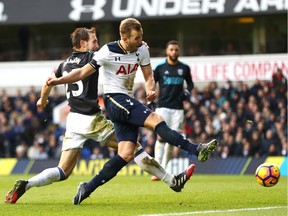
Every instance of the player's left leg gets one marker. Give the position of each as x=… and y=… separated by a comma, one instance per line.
x=71, y=149
x=168, y=152
x=174, y=118
x=67, y=163
x=158, y=154
x=160, y=151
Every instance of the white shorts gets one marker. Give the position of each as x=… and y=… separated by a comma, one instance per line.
x=81, y=127
x=173, y=117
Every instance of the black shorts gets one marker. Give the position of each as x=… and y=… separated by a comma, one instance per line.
x=127, y=114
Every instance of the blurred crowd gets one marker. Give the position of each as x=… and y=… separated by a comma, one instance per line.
x=225, y=48
x=248, y=121
x=214, y=111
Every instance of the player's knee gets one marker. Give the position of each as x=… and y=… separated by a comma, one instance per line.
x=127, y=157
x=160, y=138
x=156, y=117
x=153, y=120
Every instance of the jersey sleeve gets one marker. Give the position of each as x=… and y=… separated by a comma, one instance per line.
x=100, y=57
x=156, y=74
x=145, y=56
x=58, y=72
x=188, y=78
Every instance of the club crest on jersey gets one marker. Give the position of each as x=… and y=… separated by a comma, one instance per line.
x=130, y=102
x=180, y=71
x=137, y=54
x=127, y=70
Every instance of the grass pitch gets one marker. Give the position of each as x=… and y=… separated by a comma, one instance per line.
x=203, y=195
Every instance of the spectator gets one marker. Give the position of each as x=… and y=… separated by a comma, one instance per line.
x=279, y=81
x=255, y=141
x=54, y=146
x=37, y=151
x=96, y=153
x=21, y=151
x=229, y=49
x=270, y=143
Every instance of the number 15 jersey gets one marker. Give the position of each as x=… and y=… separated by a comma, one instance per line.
x=83, y=94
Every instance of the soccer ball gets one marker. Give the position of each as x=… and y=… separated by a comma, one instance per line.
x=267, y=174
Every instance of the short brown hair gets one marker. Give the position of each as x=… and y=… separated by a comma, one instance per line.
x=81, y=34
x=129, y=24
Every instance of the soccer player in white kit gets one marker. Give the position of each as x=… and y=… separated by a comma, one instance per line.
x=120, y=61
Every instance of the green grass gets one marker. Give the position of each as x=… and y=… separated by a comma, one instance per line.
x=203, y=195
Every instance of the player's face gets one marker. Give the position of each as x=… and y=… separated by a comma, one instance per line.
x=172, y=52
x=134, y=41
x=93, y=43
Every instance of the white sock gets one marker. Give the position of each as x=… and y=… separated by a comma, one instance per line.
x=46, y=177
x=159, y=151
x=167, y=155
x=151, y=166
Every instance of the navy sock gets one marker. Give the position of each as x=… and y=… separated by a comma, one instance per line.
x=62, y=174
x=109, y=170
x=176, y=139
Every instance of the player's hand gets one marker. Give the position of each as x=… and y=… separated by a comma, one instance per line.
x=41, y=104
x=151, y=95
x=51, y=81
x=185, y=95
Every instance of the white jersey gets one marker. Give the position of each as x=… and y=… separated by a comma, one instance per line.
x=120, y=66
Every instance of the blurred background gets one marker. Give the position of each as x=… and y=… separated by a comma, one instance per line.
x=236, y=49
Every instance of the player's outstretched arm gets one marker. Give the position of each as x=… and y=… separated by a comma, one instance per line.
x=43, y=100
x=74, y=76
x=149, y=82
x=45, y=92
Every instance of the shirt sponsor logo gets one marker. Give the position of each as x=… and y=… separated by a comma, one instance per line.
x=127, y=70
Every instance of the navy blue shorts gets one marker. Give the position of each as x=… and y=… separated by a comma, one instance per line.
x=127, y=114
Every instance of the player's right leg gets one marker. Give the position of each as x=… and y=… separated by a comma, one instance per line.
x=174, y=118
x=67, y=163
x=157, y=123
